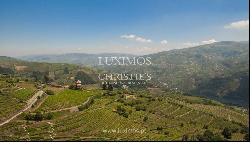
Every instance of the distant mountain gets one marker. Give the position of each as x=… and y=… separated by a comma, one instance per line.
x=219, y=70
x=72, y=58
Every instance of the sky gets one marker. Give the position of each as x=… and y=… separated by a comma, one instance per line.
x=35, y=27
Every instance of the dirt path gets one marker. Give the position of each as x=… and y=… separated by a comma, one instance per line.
x=30, y=102
x=39, y=103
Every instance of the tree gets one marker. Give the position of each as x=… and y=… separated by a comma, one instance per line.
x=72, y=87
x=46, y=79
x=38, y=116
x=37, y=75
x=246, y=137
x=29, y=116
x=145, y=118
x=209, y=136
x=84, y=78
x=6, y=70
x=227, y=133
x=122, y=111
x=110, y=87
x=104, y=86
x=49, y=116
x=66, y=70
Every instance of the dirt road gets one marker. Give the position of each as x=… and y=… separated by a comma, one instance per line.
x=30, y=102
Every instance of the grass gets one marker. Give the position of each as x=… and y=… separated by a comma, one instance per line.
x=23, y=94
x=54, y=89
x=27, y=85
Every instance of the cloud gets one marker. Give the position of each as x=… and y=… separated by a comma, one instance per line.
x=208, y=41
x=136, y=38
x=191, y=44
x=238, y=25
x=148, y=50
x=164, y=42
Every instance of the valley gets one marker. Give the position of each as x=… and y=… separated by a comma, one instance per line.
x=167, y=116
x=62, y=101
x=124, y=70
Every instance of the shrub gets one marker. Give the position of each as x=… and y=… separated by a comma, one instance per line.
x=122, y=111
x=166, y=133
x=110, y=87
x=209, y=136
x=104, y=86
x=205, y=127
x=246, y=137
x=38, y=116
x=182, y=124
x=120, y=100
x=49, y=116
x=145, y=118
x=28, y=117
x=140, y=107
x=244, y=130
x=86, y=105
x=49, y=92
x=72, y=87
x=159, y=128
x=125, y=115
x=227, y=133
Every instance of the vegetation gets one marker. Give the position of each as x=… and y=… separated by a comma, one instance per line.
x=122, y=111
x=209, y=136
x=13, y=96
x=163, y=119
x=227, y=133
x=218, y=71
x=49, y=92
x=87, y=104
x=38, y=116
x=66, y=98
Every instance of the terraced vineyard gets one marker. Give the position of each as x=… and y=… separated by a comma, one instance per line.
x=166, y=117
x=13, y=98
x=66, y=98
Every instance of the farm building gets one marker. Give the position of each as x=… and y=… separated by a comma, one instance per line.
x=78, y=84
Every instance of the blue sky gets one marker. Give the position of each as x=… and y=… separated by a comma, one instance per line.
x=131, y=26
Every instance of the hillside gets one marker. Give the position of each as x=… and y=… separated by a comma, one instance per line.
x=71, y=58
x=113, y=116
x=60, y=73
x=91, y=113
x=19, y=80
x=218, y=71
